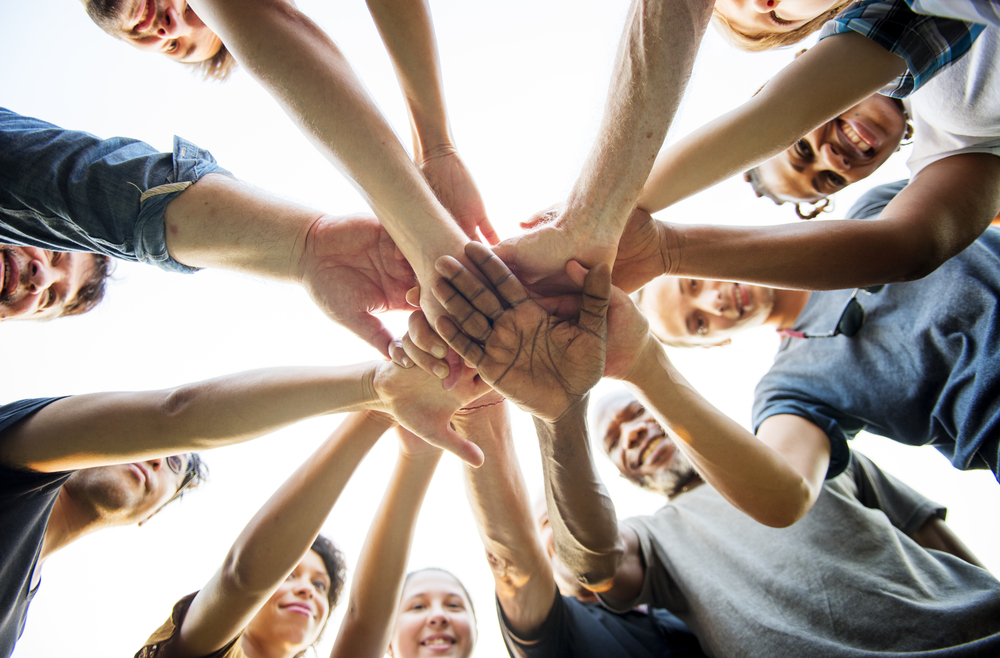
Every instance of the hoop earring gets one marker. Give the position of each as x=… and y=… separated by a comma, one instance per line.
x=821, y=206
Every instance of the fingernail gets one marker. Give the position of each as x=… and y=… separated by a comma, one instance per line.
x=406, y=362
x=439, y=351
x=440, y=372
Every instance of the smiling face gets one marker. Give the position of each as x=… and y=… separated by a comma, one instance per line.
x=124, y=494
x=169, y=27
x=842, y=151
x=36, y=284
x=702, y=312
x=756, y=17
x=434, y=618
x=638, y=446
x=294, y=616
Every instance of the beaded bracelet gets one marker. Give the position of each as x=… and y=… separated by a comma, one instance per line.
x=483, y=406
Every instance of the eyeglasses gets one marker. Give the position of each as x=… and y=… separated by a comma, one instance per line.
x=850, y=322
x=184, y=466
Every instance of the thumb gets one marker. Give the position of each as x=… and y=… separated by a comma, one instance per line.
x=371, y=330
x=490, y=233
x=449, y=440
x=596, y=297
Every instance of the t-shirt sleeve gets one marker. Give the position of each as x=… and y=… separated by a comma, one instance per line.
x=906, y=507
x=658, y=588
x=546, y=641
x=15, y=412
x=162, y=636
x=68, y=190
x=927, y=44
x=873, y=202
x=773, y=399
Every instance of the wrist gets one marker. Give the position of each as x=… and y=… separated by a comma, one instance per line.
x=647, y=362
x=573, y=414
x=669, y=239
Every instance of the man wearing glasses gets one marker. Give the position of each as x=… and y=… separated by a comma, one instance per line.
x=913, y=361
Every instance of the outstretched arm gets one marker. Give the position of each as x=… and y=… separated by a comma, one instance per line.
x=408, y=34
x=834, y=75
x=501, y=506
x=275, y=540
x=943, y=210
x=378, y=581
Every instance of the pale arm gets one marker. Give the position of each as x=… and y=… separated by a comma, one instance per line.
x=502, y=508
x=834, y=75
x=310, y=78
x=774, y=477
x=378, y=582
x=408, y=33
x=275, y=540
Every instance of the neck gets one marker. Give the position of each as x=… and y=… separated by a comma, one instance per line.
x=68, y=522
x=787, y=306
x=255, y=647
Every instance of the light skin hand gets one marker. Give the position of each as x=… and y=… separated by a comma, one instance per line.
x=351, y=269
x=454, y=187
x=543, y=364
x=642, y=254
x=418, y=403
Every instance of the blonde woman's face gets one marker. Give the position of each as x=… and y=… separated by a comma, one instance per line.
x=754, y=18
x=434, y=619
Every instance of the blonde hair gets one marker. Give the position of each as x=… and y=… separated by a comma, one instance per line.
x=770, y=40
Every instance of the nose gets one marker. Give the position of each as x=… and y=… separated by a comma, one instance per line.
x=764, y=6
x=171, y=25
x=834, y=160
x=154, y=464
x=41, y=276
x=634, y=433
x=439, y=619
x=710, y=300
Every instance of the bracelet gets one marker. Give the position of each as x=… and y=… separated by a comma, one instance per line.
x=483, y=406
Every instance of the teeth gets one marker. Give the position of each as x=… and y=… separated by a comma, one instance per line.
x=439, y=640
x=855, y=137
x=648, y=450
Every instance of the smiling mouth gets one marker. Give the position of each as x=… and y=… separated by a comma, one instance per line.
x=648, y=450
x=438, y=642
x=146, y=19
x=300, y=609
x=860, y=144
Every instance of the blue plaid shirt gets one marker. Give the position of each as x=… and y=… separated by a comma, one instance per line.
x=927, y=43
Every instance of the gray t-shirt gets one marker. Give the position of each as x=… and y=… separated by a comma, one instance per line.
x=845, y=581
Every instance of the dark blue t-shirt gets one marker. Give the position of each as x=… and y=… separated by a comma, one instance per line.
x=588, y=630
x=26, y=500
x=923, y=370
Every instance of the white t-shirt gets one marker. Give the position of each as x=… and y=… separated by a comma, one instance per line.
x=974, y=11
x=958, y=111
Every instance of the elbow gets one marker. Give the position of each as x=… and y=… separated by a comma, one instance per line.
x=788, y=508
x=596, y=571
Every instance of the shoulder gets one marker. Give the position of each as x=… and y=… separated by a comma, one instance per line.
x=158, y=644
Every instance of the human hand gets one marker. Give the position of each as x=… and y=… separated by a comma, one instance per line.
x=642, y=253
x=421, y=405
x=351, y=269
x=542, y=363
x=454, y=188
x=538, y=257
x=413, y=447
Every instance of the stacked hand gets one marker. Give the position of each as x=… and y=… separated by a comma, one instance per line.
x=542, y=363
x=454, y=188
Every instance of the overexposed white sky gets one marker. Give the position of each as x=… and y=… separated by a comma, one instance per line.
x=525, y=83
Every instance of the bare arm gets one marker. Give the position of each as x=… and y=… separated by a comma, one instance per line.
x=308, y=75
x=378, y=582
x=501, y=505
x=836, y=74
x=275, y=540
x=408, y=34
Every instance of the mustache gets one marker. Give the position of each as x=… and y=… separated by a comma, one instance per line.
x=107, y=14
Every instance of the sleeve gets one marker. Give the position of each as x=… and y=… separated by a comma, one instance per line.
x=927, y=44
x=71, y=191
x=773, y=398
x=547, y=640
x=13, y=413
x=906, y=508
x=166, y=633
x=658, y=588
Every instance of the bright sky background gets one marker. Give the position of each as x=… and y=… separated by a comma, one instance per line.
x=525, y=84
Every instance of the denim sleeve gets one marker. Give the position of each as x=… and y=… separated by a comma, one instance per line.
x=67, y=190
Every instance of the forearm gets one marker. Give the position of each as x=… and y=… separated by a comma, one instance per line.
x=770, y=122
x=652, y=67
x=378, y=582
x=582, y=515
x=407, y=31
x=308, y=75
x=502, y=507
x=220, y=222
x=278, y=536
x=105, y=428
x=937, y=535
x=750, y=474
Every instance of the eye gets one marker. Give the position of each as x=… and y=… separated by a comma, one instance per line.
x=779, y=21
x=50, y=298
x=701, y=328
x=693, y=285
x=417, y=606
x=320, y=586
x=171, y=47
x=803, y=149
x=836, y=179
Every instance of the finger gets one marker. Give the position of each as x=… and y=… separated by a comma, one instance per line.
x=496, y=272
x=467, y=348
x=423, y=360
x=463, y=286
x=473, y=323
x=398, y=354
x=596, y=297
x=455, y=368
x=424, y=337
x=371, y=330
x=489, y=233
x=576, y=272
x=465, y=450
x=413, y=296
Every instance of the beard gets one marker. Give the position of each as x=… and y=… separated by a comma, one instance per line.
x=108, y=14
x=104, y=489
x=675, y=479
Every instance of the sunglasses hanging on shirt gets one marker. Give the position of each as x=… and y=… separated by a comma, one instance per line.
x=850, y=322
